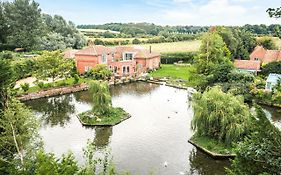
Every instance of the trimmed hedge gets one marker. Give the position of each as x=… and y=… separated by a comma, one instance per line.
x=171, y=58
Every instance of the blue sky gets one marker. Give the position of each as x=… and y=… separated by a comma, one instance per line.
x=163, y=12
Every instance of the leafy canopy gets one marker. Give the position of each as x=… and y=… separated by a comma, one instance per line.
x=260, y=152
x=220, y=115
x=53, y=65
x=101, y=97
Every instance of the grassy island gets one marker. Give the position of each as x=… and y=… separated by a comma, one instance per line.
x=220, y=120
x=114, y=117
x=102, y=113
x=213, y=147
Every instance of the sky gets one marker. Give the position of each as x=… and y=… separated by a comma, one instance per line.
x=163, y=12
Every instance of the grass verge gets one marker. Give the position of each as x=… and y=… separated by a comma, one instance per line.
x=212, y=145
x=114, y=117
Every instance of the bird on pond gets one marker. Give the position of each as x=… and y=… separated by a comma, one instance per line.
x=165, y=164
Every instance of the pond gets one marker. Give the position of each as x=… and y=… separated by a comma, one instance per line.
x=157, y=132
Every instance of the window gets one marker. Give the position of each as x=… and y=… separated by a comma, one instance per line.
x=115, y=69
x=256, y=59
x=87, y=68
x=127, y=56
x=126, y=69
x=103, y=58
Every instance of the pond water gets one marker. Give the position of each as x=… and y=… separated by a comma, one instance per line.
x=157, y=132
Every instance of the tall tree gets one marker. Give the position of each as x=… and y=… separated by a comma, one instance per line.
x=220, y=115
x=53, y=65
x=7, y=80
x=18, y=134
x=23, y=18
x=101, y=97
x=260, y=152
x=213, y=51
x=3, y=25
x=274, y=12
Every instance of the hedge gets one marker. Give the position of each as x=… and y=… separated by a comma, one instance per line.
x=170, y=58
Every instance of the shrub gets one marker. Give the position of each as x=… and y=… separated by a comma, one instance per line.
x=76, y=78
x=136, y=41
x=170, y=58
x=40, y=84
x=99, y=72
x=25, y=87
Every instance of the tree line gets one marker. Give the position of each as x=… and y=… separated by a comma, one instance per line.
x=23, y=25
x=150, y=29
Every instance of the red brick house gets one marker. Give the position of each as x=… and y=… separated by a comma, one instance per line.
x=122, y=60
x=258, y=57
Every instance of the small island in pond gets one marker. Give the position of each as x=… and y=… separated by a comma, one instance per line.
x=102, y=113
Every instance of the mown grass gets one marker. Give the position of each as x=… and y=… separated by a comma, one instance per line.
x=212, y=145
x=115, y=116
x=172, y=71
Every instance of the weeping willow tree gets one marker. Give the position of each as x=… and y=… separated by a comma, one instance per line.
x=220, y=115
x=101, y=97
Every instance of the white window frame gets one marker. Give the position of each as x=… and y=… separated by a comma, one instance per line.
x=125, y=58
x=103, y=59
x=87, y=68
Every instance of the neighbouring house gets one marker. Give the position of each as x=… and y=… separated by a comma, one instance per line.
x=69, y=53
x=248, y=65
x=271, y=81
x=122, y=60
x=259, y=56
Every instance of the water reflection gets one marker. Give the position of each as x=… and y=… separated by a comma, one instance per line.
x=202, y=164
x=133, y=89
x=102, y=137
x=84, y=97
x=274, y=114
x=54, y=111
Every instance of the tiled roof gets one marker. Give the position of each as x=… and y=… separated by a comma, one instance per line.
x=70, y=53
x=264, y=55
x=272, y=55
x=94, y=50
x=140, y=53
x=247, y=64
x=118, y=50
x=259, y=52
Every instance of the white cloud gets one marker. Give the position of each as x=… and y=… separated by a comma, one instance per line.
x=217, y=12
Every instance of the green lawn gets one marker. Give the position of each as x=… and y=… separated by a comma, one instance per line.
x=114, y=117
x=212, y=145
x=172, y=71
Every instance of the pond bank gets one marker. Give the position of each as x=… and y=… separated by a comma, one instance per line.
x=77, y=88
x=214, y=155
x=53, y=92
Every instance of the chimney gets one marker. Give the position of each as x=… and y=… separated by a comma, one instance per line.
x=150, y=50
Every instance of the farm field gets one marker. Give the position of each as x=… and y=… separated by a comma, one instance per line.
x=96, y=31
x=277, y=42
x=183, y=46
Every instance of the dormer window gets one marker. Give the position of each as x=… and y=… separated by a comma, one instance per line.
x=128, y=56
